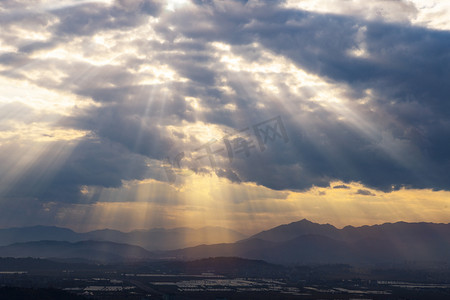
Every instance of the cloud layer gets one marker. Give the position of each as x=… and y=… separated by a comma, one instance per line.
x=100, y=93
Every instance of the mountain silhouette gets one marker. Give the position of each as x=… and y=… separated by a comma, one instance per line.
x=95, y=251
x=301, y=242
x=305, y=242
x=153, y=239
x=290, y=231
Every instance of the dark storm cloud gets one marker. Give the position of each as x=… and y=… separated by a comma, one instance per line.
x=65, y=22
x=119, y=125
x=92, y=162
x=228, y=174
x=90, y=18
x=341, y=186
x=14, y=59
x=364, y=193
x=405, y=68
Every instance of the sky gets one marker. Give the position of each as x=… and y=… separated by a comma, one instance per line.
x=135, y=114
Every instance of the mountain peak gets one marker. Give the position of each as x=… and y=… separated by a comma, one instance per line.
x=295, y=229
x=305, y=221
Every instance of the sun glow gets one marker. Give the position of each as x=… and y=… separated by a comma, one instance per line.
x=208, y=200
x=173, y=5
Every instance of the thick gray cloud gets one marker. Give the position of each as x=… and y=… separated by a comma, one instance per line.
x=364, y=192
x=406, y=70
x=399, y=140
x=92, y=162
x=341, y=186
x=90, y=18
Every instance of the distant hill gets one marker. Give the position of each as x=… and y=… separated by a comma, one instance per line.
x=96, y=251
x=290, y=231
x=36, y=233
x=240, y=249
x=153, y=239
x=305, y=249
x=301, y=242
x=305, y=242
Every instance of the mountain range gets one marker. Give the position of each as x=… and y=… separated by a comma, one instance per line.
x=305, y=242
x=301, y=242
x=86, y=251
x=153, y=239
